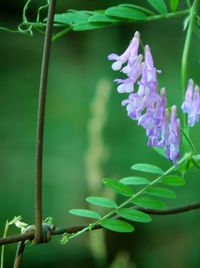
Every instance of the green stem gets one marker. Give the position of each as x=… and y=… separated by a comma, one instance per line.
x=130, y=200
x=193, y=11
x=3, y=247
x=169, y=15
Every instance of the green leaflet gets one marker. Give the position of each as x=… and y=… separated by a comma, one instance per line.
x=133, y=215
x=102, y=17
x=147, y=168
x=101, y=201
x=159, y=5
x=72, y=17
x=118, y=187
x=149, y=202
x=173, y=5
x=161, y=192
x=117, y=225
x=80, y=20
x=126, y=12
x=85, y=213
x=173, y=180
x=134, y=181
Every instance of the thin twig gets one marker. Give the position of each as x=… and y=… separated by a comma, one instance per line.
x=40, y=122
x=19, y=254
x=74, y=229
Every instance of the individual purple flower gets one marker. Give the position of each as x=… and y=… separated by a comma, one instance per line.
x=186, y=106
x=173, y=140
x=129, y=55
x=149, y=77
x=133, y=68
x=158, y=116
x=191, y=105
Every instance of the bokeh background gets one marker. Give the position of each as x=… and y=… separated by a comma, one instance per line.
x=88, y=136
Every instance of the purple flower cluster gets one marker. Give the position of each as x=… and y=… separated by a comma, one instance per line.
x=145, y=104
x=191, y=105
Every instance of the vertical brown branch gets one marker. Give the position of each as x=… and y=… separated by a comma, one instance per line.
x=40, y=122
x=19, y=254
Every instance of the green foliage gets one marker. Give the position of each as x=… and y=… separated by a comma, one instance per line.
x=85, y=213
x=161, y=192
x=173, y=180
x=147, y=168
x=118, y=187
x=134, y=181
x=101, y=201
x=149, y=202
x=173, y=5
x=117, y=226
x=133, y=215
x=127, y=12
x=159, y=5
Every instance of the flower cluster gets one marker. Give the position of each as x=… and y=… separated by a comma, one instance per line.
x=146, y=104
x=191, y=105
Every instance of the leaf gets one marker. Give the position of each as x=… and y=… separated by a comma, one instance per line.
x=117, y=226
x=89, y=26
x=145, y=10
x=173, y=180
x=119, y=187
x=133, y=215
x=126, y=12
x=161, y=192
x=102, y=17
x=159, y=5
x=134, y=181
x=85, y=213
x=149, y=202
x=102, y=202
x=147, y=168
x=72, y=17
x=173, y=5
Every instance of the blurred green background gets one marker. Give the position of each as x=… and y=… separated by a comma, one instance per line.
x=78, y=65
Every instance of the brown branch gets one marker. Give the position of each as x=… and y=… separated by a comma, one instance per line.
x=40, y=122
x=74, y=229
x=19, y=254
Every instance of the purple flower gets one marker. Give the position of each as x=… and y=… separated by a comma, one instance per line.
x=146, y=105
x=186, y=106
x=191, y=105
x=129, y=55
x=173, y=141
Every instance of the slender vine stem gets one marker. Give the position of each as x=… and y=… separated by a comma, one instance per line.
x=40, y=121
x=184, y=65
x=74, y=229
x=3, y=247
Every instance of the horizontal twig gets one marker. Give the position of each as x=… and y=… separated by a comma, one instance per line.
x=74, y=229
